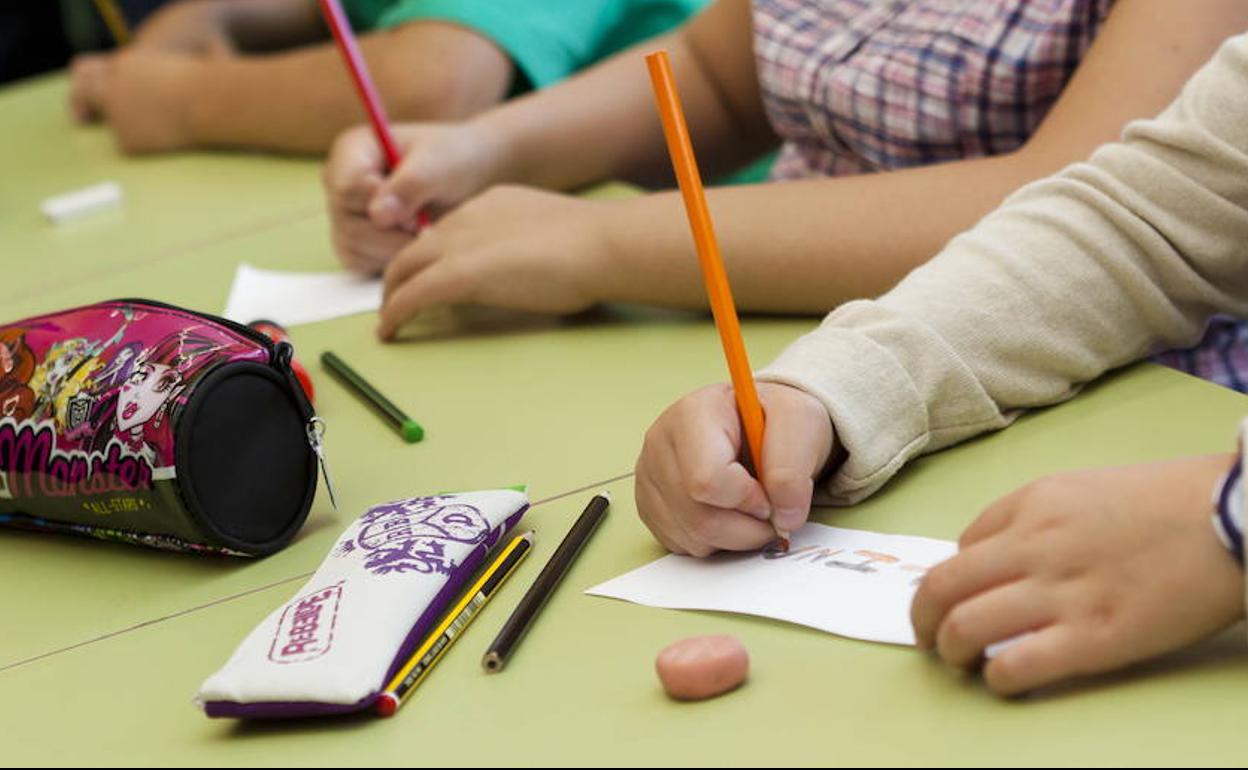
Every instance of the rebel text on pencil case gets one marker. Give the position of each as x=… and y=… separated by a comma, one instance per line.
x=379, y=592
x=145, y=423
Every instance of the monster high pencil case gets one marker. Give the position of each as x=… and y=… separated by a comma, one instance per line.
x=333, y=647
x=141, y=422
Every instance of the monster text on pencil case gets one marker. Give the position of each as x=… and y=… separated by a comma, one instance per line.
x=31, y=465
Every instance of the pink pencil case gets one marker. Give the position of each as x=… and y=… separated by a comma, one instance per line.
x=141, y=422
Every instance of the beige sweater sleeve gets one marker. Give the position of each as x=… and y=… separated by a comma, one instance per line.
x=1098, y=266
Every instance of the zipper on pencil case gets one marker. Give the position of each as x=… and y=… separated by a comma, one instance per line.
x=242, y=329
x=232, y=325
x=280, y=354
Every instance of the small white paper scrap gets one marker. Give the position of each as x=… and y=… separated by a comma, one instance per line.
x=291, y=299
x=844, y=581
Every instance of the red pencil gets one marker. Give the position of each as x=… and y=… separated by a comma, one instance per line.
x=345, y=38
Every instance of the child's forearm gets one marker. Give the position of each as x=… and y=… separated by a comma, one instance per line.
x=602, y=124
x=211, y=26
x=293, y=103
x=301, y=100
x=802, y=247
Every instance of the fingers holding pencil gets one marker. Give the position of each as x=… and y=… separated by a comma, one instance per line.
x=692, y=489
x=444, y=164
x=796, y=448
x=354, y=171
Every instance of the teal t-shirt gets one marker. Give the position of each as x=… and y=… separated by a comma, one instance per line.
x=547, y=39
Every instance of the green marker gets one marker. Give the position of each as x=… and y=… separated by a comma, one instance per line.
x=408, y=428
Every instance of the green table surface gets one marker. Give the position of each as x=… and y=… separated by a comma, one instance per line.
x=172, y=205
x=102, y=645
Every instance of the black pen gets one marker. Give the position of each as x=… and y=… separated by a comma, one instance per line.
x=529, y=607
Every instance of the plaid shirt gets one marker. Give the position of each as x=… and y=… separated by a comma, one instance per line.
x=853, y=86
x=1221, y=356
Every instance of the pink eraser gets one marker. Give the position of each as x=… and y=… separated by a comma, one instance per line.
x=702, y=666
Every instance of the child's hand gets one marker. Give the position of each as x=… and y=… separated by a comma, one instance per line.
x=142, y=95
x=351, y=176
x=512, y=248
x=87, y=74
x=696, y=496
x=373, y=215
x=1104, y=568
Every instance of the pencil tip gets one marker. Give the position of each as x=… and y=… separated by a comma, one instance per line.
x=781, y=544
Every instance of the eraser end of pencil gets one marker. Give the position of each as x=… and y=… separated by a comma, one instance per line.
x=387, y=704
x=77, y=203
x=412, y=432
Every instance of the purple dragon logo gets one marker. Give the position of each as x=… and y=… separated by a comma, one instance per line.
x=411, y=535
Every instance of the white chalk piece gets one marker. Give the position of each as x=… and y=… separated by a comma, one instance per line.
x=88, y=200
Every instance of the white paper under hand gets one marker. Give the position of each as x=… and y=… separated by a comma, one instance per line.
x=845, y=581
x=291, y=299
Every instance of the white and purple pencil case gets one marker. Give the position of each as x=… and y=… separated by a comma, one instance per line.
x=335, y=645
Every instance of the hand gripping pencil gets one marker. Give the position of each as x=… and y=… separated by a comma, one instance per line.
x=713, y=273
x=350, y=50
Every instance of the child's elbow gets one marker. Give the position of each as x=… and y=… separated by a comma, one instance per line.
x=461, y=82
x=1039, y=158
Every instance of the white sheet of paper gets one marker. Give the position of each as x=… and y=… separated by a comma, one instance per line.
x=291, y=299
x=845, y=581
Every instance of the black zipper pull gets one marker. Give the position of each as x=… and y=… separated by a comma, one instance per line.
x=283, y=354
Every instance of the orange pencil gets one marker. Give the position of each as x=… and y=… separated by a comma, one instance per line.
x=713, y=274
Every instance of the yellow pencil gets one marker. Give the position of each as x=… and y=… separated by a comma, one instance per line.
x=463, y=613
x=115, y=20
